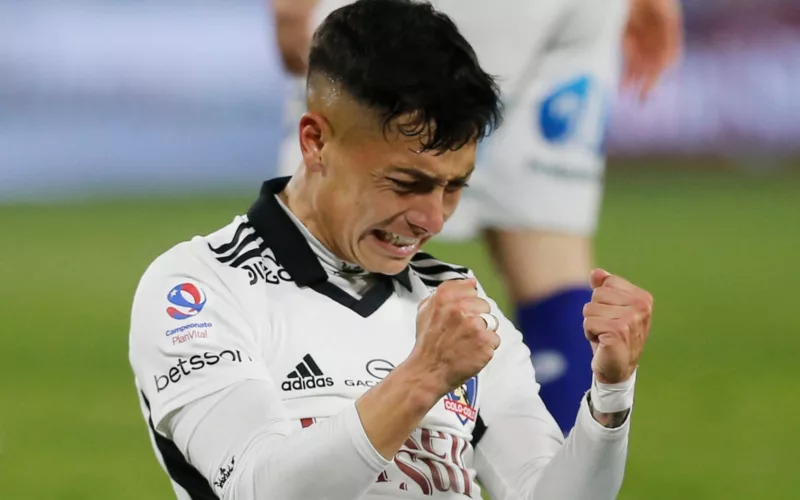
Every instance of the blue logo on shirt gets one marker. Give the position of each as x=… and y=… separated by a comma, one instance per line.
x=568, y=114
x=561, y=111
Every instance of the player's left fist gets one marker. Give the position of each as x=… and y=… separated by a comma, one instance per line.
x=617, y=323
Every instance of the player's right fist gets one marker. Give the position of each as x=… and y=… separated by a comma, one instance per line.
x=455, y=334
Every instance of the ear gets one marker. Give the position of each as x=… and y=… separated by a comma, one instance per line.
x=314, y=131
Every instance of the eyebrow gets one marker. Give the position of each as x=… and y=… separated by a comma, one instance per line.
x=423, y=176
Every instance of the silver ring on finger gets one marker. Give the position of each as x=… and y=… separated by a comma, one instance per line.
x=491, y=321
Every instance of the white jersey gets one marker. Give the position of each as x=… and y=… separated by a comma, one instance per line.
x=557, y=64
x=251, y=345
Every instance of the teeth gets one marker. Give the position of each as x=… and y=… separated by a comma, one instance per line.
x=401, y=241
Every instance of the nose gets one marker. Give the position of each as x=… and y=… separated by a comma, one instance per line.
x=427, y=213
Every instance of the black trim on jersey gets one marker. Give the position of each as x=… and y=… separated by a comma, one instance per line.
x=431, y=283
x=366, y=305
x=439, y=269
x=436, y=267
x=478, y=431
x=181, y=471
x=250, y=254
x=422, y=256
x=235, y=253
x=250, y=238
x=292, y=251
x=228, y=246
x=437, y=272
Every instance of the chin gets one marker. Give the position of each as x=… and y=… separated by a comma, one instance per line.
x=383, y=265
x=391, y=267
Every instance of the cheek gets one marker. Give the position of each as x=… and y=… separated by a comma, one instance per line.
x=379, y=206
x=350, y=210
x=450, y=203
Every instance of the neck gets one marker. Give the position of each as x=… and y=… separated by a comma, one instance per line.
x=299, y=198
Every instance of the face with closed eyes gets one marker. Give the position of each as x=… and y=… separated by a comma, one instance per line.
x=375, y=199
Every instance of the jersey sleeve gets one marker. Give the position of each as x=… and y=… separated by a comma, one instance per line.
x=189, y=337
x=522, y=453
x=242, y=443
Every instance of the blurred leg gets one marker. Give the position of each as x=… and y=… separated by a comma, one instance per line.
x=546, y=263
x=538, y=189
x=546, y=277
x=537, y=263
x=289, y=155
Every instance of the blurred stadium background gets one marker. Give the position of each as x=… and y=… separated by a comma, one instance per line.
x=128, y=126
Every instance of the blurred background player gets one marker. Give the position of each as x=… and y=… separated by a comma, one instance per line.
x=536, y=193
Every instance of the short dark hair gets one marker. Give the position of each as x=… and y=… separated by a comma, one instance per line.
x=402, y=56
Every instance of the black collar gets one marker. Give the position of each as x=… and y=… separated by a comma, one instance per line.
x=292, y=251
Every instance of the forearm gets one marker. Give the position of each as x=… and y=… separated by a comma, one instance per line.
x=590, y=464
x=331, y=459
x=293, y=10
x=243, y=442
x=596, y=449
x=391, y=410
x=610, y=404
x=610, y=420
x=270, y=458
x=524, y=454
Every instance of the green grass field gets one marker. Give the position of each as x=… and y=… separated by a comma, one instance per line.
x=718, y=396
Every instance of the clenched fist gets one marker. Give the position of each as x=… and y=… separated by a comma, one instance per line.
x=617, y=323
x=455, y=334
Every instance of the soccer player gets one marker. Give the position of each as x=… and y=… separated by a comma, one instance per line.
x=310, y=350
x=537, y=188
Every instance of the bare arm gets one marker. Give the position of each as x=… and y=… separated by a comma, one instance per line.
x=293, y=31
x=652, y=42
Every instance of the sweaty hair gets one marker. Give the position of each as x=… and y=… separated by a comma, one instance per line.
x=403, y=58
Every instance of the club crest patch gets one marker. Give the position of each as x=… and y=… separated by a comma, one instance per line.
x=462, y=401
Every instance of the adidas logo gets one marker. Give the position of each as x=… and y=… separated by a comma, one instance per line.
x=306, y=375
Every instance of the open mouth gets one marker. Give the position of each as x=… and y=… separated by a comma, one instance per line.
x=396, y=244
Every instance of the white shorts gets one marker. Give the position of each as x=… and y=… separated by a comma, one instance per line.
x=558, y=64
